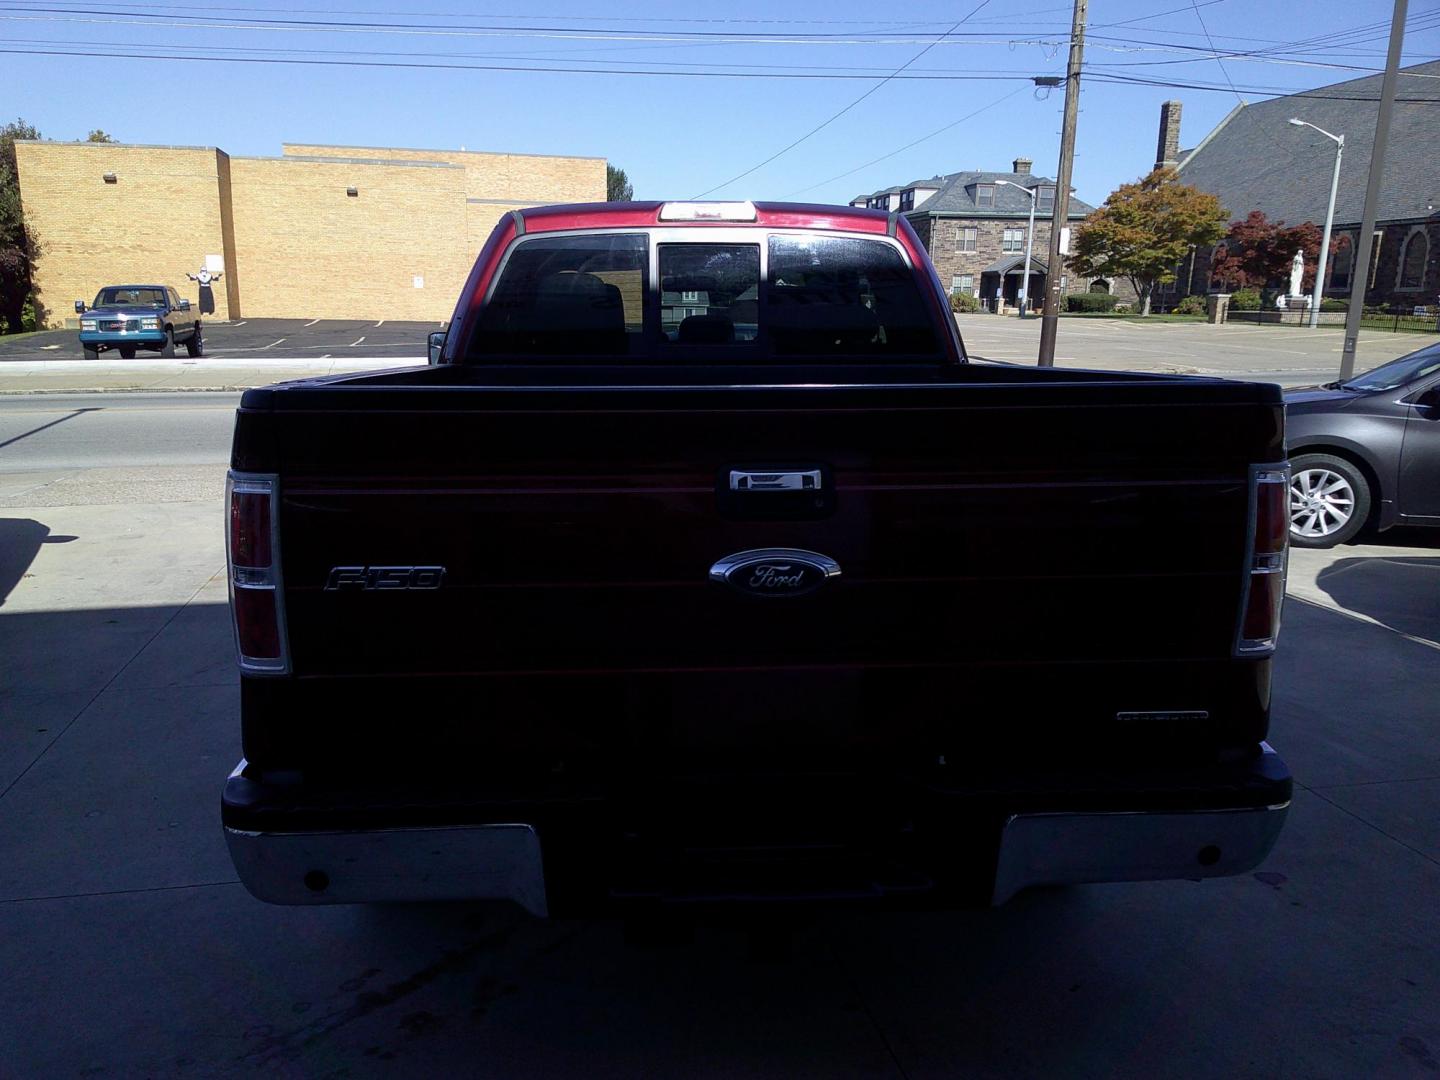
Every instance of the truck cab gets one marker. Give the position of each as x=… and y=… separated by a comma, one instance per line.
x=127, y=318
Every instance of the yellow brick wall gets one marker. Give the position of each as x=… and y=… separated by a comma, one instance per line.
x=308, y=250
x=293, y=243
x=154, y=225
x=481, y=219
x=529, y=179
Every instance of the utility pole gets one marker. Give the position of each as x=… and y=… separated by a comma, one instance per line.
x=1372, y=194
x=1058, y=221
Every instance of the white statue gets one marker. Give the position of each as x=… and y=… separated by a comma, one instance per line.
x=1297, y=273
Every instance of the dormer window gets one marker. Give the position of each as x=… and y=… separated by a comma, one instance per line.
x=907, y=200
x=985, y=196
x=1045, y=199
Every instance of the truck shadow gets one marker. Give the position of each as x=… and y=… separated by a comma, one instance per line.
x=1401, y=591
x=20, y=540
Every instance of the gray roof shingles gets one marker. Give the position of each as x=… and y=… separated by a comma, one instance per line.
x=1258, y=161
x=956, y=196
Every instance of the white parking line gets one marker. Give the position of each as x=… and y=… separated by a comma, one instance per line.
x=312, y=322
x=272, y=344
x=380, y=323
x=235, y=324
x=325, y=356
x=357, y=342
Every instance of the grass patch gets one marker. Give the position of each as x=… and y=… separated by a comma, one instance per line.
x=7, y=338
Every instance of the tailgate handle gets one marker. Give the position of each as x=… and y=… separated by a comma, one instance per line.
x=755, y=480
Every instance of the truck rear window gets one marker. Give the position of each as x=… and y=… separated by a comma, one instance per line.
x=820, y=297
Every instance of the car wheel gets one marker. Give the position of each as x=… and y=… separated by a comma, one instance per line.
x=167, y=350
x=127, y=352
x=196, y=345
x=92, y=352
x=1329, y=500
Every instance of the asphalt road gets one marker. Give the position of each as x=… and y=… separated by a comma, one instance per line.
x=255, y=339
x=129, y=949
x=90, y=431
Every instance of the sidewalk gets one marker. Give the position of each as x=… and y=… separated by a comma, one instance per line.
x=1283, y=354
x=91, y=376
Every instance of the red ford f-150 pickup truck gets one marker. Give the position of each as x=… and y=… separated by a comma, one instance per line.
x=703, y=565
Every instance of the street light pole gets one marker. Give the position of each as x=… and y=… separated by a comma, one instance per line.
x=1319, y=291
x=1029, y=244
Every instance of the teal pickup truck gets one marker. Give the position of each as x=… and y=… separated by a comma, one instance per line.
x=130, y=317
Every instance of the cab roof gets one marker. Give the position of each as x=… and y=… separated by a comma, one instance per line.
x=610, y=215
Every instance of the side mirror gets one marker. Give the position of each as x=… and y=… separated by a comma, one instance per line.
x=184, y=304
x=80, y=307
x=437, y=345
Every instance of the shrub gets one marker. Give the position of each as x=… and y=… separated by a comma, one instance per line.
x=1245, y=300
x=1334, y=305
x=1190, y=305
x=1090, y=302
x=963, y=301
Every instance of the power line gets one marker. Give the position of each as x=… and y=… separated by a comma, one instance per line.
x=836, y=116
x=257, y=23
x=1270, y=91
x=849, y=72
x=536, y=15
x=110, y=54
x=907, y=146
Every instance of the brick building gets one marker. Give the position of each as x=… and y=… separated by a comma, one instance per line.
x=321, y=232
x=974, y=226
x=1255, y=160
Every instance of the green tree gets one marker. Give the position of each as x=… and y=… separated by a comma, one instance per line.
x=1144, y=230
x=99, y=136
x=17, y=247
x=617, y=185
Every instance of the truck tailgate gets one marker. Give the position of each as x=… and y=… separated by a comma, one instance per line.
x=1007, y=541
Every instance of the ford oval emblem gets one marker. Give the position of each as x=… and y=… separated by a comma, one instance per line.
x=775, y=572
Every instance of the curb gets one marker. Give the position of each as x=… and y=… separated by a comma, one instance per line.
x=133, y=390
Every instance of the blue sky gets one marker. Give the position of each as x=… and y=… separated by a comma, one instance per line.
x=679, y=136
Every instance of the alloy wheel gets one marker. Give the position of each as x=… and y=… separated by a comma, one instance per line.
x=1321, y=502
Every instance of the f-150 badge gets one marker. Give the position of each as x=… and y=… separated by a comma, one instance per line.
x=775, y=572
x=380, y=578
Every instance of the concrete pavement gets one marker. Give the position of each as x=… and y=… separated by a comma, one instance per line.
x=97, y=376
x=130, y=949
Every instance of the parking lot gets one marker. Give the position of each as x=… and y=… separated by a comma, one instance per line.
x=257, y=339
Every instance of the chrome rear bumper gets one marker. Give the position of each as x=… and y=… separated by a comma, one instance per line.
x=494, y=862
x=503, y=860
x=1072, y=849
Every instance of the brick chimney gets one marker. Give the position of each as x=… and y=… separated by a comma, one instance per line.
x=1167, y=148
x=1022, y=166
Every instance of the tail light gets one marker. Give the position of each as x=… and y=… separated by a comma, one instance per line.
x=1264, y=560
x=252, y=552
